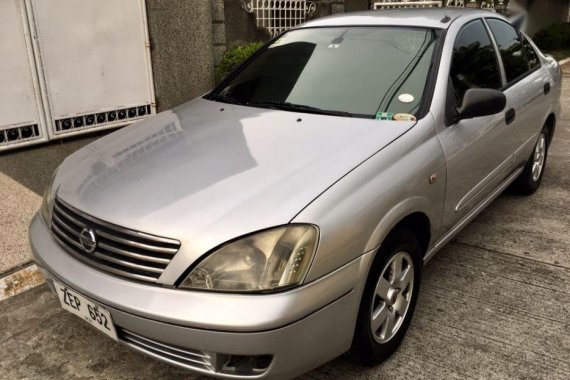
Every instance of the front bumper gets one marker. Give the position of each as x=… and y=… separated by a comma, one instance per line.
x=297, y=330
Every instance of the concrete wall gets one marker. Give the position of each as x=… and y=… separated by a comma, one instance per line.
x=182, y=49
x=327, y=8
x=356, y=5
x=219, y=30
x=337, y=6
x=241, y=26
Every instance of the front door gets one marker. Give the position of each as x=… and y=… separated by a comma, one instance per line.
x=478, y=151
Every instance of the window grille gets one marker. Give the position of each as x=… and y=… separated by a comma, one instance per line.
x=278, y=16
x=488, y=4
x=409, y=4
x=485, y=4
x=455, y=3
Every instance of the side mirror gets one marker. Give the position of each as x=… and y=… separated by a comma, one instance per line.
x=479, y=102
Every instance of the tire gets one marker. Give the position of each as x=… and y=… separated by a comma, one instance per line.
x=531, y=177
x=374, y=347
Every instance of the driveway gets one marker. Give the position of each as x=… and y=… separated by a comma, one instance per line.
x=495, y=303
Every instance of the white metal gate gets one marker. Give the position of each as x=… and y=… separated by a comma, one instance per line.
x=21, y=114
x=89, y=67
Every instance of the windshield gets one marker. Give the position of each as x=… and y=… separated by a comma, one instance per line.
x=349, y=71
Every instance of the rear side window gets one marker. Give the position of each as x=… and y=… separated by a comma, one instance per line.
x=511, y=48
x=474, y=62
x=533, y=61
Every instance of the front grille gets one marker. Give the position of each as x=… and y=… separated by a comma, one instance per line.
x=118, y=250
x=191, y=359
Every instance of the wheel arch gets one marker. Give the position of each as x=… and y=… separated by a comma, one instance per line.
x=419, y=224
x=550, y=123
x=416, y=219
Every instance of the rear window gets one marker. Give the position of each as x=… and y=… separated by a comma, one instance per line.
x=511, y=48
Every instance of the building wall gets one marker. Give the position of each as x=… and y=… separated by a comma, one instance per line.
x=182, y=41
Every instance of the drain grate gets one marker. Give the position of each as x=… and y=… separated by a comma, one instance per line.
x=101, y=118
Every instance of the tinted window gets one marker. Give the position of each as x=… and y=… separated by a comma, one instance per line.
x=361, y=70
x=531, y=55
x=512, y=52
x=474, y=62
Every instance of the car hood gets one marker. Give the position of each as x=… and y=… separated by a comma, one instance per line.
x=207, y=172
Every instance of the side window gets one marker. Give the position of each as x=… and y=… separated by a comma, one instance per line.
x=474, y=62
x=510, y=45
x=533, y=61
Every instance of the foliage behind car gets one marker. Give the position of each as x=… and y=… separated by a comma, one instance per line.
x=554, y=37
x=234, y=57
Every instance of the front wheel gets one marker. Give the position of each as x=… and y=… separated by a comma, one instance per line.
x=389, y=297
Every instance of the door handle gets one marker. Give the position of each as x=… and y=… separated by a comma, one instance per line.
x=546, y=88
x=510, y=116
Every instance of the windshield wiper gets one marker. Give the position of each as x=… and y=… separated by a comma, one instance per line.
x=286, y=106
x=222, y=98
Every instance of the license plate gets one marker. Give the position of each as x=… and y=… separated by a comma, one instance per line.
x=86, y=309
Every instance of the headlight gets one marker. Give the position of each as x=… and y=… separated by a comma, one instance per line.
x=268, y=260
x=48, y=200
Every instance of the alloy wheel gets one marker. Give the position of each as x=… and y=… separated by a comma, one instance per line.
x=392, y=297
x=538, y=158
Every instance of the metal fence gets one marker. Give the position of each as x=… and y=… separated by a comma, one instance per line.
x=279, y=15
x=388, y=4
x=408, y=4
x=455, y=3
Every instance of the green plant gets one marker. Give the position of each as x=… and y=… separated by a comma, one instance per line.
x=553, y=37
x=234, y=57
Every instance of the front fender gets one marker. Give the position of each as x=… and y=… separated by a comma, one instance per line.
x=358, y=211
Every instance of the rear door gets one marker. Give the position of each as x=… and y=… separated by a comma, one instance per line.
x=477, y=151
x=525, y=89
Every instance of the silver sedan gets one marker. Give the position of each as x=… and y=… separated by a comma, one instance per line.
x=285, y=217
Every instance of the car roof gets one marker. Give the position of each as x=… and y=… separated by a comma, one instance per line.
x=440, y=18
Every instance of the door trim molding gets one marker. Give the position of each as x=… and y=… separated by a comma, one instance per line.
x=475, y=191
x=471, y=215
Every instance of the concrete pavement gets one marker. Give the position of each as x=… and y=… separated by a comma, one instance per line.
x=495, y=304
x=24, y=173
x=18, y=206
